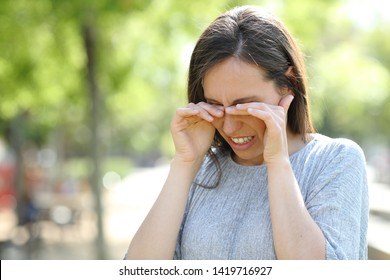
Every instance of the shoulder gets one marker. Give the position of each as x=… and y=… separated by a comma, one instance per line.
x=337, y=147
x=332, y=156
x=325, y=154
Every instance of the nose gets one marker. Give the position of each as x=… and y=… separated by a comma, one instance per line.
x=231, y=124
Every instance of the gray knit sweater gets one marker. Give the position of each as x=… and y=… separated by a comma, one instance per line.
x=232, y=220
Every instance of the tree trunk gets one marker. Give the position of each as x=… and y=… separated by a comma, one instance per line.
x=94, y=97
x=17, y=140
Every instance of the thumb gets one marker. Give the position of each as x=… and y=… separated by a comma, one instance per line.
x=285, y=102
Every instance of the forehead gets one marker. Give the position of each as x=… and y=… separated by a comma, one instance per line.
x=234, y=79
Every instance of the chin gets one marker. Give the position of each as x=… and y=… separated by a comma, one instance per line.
x=248, y=159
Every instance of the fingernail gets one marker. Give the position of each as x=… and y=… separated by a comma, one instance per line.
x=220, y=109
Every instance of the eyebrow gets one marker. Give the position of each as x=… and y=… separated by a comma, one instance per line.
x=235, y=102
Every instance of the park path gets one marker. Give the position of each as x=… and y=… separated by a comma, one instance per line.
x=129, y=202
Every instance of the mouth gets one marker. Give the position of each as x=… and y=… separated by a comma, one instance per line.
x=241, y=140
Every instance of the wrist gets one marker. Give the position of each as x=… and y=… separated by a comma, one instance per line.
x=186, y=160
x=183, y=171
x=279, y=163
x=179, y=163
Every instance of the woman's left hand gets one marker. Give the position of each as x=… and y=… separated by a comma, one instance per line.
x=275, y=119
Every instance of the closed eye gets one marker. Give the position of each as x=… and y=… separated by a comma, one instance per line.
x=243, y=100
x=213, y=102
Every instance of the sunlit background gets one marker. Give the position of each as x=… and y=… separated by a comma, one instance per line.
x=88, y=89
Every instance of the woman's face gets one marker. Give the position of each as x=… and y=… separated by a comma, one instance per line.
x=233, y=82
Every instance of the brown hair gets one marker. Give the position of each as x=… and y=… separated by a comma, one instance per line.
x=257, y=37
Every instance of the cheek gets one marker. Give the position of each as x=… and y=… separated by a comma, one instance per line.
x=218, y=124
x=258, y=126
x=254, y=124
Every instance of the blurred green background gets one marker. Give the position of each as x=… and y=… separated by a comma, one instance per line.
x=88, y=89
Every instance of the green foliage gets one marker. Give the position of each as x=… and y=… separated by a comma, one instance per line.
x=143, y=50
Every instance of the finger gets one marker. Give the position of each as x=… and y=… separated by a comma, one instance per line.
x=186, y=112
x=266, y=116
x=242, y=109
x=272, y=121
x=215, y=110
x=233, y=110
x=202, y=112
x=270, y=114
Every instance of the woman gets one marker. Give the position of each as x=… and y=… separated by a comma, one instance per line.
x=250, y=179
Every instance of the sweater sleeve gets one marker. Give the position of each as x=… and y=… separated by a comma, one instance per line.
x=338, y=201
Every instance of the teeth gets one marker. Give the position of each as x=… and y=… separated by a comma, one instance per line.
x=242, y=140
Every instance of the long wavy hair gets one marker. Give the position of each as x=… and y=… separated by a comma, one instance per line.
x=255, y=36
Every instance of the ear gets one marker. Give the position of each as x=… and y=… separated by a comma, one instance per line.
x=289, y=72
x=287, y=91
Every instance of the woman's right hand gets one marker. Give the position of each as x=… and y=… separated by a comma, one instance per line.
x=192, y=130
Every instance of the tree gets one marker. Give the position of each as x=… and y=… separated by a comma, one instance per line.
x=136, y=74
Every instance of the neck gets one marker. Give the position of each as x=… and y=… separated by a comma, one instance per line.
x=296, y=141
